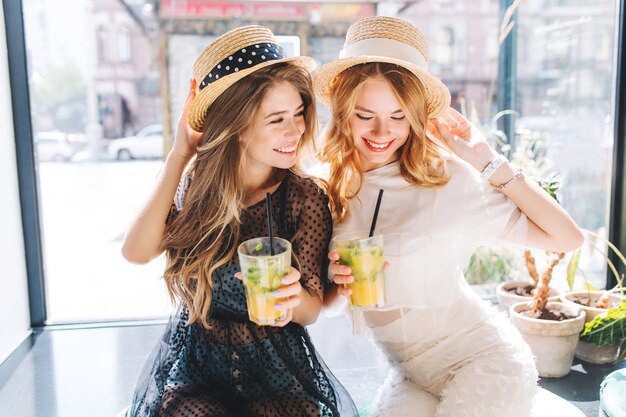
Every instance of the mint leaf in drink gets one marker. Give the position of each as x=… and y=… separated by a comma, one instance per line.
x=258, y=247
x=253, y=276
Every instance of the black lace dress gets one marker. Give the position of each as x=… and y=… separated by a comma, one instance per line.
x=237, y=368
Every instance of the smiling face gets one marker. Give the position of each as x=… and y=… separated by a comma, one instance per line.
x=378, y=124
x=272, y=139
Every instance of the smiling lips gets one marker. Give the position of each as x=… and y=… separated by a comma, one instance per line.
x=376, y=146
x=289, y=150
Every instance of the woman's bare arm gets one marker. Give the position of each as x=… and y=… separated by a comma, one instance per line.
x=550, y=227
x=143, y=241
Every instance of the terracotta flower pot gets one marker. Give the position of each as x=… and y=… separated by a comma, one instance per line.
x=590, y=312
x=506, y=299
x=599, y=355
x=552, y=342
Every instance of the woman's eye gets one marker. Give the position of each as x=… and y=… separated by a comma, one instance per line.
x=276, y=121
x=363, y=117
x=301, y=114
x=398, y=118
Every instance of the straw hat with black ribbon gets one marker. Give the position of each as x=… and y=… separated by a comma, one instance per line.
x=385, y=39
x=231, y=57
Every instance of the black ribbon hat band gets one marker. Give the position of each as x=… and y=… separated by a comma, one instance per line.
x=243, y=59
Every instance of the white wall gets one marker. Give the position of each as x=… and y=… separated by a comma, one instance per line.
x=14, y=314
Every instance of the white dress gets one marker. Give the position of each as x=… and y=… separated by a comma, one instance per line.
x=452, y=354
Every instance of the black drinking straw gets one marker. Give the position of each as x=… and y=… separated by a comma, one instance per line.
x=380, y=197
x=268, y=206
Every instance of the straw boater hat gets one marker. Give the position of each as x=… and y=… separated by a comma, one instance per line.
x=385, y=39
x=231, y=57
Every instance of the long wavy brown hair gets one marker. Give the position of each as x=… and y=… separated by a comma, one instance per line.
x=203, y=236
x=420, y=162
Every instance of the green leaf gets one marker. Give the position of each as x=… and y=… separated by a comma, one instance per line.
x=572, y=268
x=258, y=247
x=607, y=330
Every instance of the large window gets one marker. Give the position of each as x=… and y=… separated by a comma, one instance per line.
x=565, y=87
x=86, y=96
x=106, y=91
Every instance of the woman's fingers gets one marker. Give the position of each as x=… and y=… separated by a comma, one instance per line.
x=191, y=94
x=239, y=276
x=186, y=139
x=456, y=123
x=346, y=292
x=340, y=274
x=343, y=279
x=283, y=323
x=288, y=290
x=337, y=269
x=453, y=118
x=443, y=130
x=288, y=303
x=291, y=277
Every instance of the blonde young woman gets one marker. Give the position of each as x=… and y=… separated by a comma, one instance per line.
x=249, y=112
x=451, y=354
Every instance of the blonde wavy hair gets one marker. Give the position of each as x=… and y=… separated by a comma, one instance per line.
x=420, y=162
x=203, y=236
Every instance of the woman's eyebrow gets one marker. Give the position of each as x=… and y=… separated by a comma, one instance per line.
x=276, y=113
x=373, y=112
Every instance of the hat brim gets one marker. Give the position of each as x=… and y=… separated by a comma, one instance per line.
x=437, y=94
x=196, y=115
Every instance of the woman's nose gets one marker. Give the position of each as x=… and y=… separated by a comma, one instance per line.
x=381, y=128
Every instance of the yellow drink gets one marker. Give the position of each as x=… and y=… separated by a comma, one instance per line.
x=366, y=293
x=260, y=304
x=365, y=258
x=262, y=274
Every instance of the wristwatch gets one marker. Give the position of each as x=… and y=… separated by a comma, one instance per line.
x=492, y=167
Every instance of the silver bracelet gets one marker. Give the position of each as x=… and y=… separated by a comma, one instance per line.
x=492, y=167
x=518, y=174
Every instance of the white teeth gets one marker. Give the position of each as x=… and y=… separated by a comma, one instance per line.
x=377, y=145
x=286, y=150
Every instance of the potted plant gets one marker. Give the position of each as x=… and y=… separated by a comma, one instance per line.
x=603, y=340
x=596, y=304
x=592, y=300
x=550, y=328
x=511, y=292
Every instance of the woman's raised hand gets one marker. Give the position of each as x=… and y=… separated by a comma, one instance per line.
x=463, y=138
x=186, y=140
x=289, y=293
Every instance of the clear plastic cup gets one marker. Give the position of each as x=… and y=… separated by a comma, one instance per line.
x=262, y=274
x=365, y=256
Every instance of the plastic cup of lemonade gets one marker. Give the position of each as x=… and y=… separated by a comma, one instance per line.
x=262, y=274
x=364, y=255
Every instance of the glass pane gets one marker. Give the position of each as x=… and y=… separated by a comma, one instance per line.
x=565, y=84
x=561, y=87
x=94, y=86
x=107, y=89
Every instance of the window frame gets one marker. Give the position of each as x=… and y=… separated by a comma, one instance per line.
x=26, y=166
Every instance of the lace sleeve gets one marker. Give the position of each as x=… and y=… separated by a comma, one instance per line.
x=179, y=198
x=314, y=229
